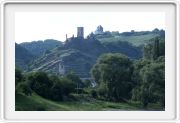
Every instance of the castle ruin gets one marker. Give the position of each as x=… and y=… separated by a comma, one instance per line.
x=80, y=32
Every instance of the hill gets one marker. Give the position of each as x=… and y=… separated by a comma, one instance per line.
x=22, y=57
x=133, y=37
x=37, y=48
x=79, y=55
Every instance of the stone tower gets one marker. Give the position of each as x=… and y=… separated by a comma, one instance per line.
x=80, y=32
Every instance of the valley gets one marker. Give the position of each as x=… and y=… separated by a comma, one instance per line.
x=105, y=71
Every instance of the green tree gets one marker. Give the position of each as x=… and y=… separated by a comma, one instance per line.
x=75, y=78
x=136, y=77
x=96, y=72
x=24, y=88
x=103, y=90
x=40, y=83
x=87, y=83
x=18, y=76
x=57, y=88
x=151, y=83
x=114, y=71
x=162, y=48
x=68, y=86
x=148, y=52
x=154, y=49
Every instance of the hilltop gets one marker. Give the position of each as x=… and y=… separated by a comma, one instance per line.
x=37, y=48
x=136, y=38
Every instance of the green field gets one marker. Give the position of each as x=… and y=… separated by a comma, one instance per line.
x=37, y=103
x=135, y=40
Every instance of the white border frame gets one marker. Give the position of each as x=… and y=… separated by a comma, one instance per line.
x=2, y=112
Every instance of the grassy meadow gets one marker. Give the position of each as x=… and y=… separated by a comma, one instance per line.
x=82, y=103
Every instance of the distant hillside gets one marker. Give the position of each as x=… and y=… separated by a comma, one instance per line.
x=37, y=48
x=22, y=57
x=133, y=37
x=79, y=55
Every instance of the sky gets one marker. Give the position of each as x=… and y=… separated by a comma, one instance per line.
x=33, y=26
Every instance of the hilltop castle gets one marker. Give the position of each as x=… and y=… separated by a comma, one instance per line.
x=80, y=34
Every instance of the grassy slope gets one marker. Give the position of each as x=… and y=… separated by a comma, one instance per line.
x=135, y=40
x=37, y=103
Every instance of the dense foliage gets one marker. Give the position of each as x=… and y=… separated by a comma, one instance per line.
x=48, y=86
x=23, y=57
x=120, y=78
x=112, y=72
x=38, y=48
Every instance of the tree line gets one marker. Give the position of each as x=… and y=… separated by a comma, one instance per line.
x=53, y=87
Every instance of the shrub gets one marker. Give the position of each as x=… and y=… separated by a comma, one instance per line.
x=93, y=93
x=24, y=88
x=40, y=83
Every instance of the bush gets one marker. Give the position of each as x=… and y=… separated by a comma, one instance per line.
x=56, y=91
x=75, y=79
x=87, y=83
x=68, y=86
x=18, y=76
x=103, y=90
x=93, y=93
x=40, y=83
x=24, y=88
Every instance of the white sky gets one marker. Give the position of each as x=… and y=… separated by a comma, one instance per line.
x=31, y=26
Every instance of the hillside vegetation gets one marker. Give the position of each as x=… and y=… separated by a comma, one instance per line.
x=135, y=40
x=37, y=103
x=79, y=55
x=91, y=74
x=22, y=57
x=133, y=37
x=38, y=48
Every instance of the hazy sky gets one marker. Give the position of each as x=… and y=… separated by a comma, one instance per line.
x=31, y=26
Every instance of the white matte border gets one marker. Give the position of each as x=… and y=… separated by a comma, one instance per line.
x=130, y=115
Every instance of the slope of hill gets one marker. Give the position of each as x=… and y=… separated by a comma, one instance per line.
x=135, y=38
x=37, y=48
x=22, y=57
x=79, y=55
